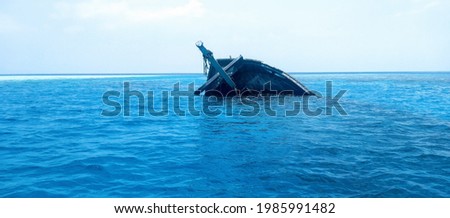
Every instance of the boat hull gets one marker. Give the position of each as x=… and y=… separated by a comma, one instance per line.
x=252, y=77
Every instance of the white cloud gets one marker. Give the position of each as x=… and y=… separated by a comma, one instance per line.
x=420, y=7
x=131, y=11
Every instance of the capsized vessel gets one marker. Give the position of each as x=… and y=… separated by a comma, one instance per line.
x=239, y=76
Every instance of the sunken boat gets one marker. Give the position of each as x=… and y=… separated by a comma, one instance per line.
x=239, y=76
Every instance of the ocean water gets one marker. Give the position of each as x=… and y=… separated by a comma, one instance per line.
x=393, y=142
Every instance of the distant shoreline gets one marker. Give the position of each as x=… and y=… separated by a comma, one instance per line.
x=169, y=74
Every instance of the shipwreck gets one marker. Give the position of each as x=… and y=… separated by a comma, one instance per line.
x=239, y=76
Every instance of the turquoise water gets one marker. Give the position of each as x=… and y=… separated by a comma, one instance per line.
x=394, y=142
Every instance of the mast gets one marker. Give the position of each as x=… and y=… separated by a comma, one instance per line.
x=213, y=62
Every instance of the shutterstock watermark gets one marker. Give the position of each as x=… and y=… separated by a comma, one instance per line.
x=129, y=102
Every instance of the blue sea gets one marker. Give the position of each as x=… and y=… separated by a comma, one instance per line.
x=393, y=140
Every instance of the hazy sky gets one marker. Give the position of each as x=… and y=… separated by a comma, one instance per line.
x=156, y=36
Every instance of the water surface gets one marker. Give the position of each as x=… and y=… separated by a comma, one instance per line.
x=394, y=142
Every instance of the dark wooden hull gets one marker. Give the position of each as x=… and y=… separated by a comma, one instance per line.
x=252, y=77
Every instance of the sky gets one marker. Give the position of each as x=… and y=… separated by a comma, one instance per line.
x=159, y=36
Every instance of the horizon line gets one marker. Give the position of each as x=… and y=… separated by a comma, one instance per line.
x=200, y=73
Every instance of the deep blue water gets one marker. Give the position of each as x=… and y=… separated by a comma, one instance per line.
x=394, y=142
